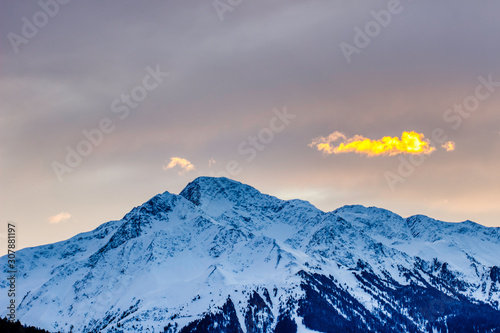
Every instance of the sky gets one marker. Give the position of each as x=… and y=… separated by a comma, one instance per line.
x=104, y=104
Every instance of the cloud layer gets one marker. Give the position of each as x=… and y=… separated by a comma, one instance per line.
x=225, y=80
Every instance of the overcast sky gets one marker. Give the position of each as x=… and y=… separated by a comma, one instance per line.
x=250, y=85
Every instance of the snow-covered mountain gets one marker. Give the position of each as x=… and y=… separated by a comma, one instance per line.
x=223, y=257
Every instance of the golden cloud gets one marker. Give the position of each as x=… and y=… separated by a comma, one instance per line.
x=409, y=143
x=184, y=164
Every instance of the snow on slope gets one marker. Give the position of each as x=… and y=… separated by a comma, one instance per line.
x=220, y=246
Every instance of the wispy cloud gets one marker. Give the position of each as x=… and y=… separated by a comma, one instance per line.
x=409, y=143
x=184, y=164
x=61, y=217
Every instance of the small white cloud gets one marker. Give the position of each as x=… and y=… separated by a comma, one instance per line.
x=184, y=164
x=61, y=217
x=211, y=162
x=449, y=146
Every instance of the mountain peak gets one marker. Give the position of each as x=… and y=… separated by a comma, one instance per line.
x=206, y=189
x=159, y=204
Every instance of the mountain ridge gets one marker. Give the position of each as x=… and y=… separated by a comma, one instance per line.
x=222, y=256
